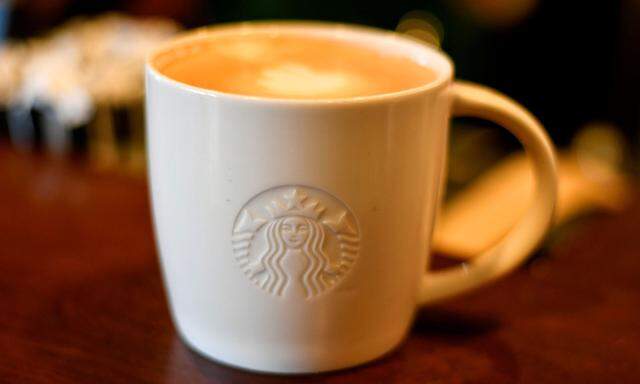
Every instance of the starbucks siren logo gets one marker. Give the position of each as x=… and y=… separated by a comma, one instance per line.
x=295, y=240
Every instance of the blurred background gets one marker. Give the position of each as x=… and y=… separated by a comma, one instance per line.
x=71, y=81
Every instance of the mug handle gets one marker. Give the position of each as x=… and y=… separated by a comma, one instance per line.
x=478, y=101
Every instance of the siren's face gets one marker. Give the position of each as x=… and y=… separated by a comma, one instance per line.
x=294, y=231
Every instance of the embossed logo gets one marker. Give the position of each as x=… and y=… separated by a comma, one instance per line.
x=295, y=240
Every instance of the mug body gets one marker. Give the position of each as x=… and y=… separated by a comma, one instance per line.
x=293, y=233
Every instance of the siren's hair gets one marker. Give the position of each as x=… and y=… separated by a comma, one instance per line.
x=276, y=278
x=313, y=279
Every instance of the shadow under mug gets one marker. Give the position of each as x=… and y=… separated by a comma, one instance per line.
x=294, y=234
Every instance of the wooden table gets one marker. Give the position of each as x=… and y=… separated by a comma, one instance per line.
x=81, y=300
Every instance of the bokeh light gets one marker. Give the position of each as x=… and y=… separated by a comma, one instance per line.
x=423, y=26
x=600, y=149
x=498, y=13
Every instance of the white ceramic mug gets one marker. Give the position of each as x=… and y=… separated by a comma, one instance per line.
x=294, y=234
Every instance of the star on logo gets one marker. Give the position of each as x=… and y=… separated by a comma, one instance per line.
x=294, y=200
x=295, y=204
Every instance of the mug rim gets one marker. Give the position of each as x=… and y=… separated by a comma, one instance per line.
x=444, y=74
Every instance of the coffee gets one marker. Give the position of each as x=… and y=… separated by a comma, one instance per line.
x=290, y=66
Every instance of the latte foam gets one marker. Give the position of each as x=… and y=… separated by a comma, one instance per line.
x=287, y=65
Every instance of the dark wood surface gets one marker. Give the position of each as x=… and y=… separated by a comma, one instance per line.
x=81, y=300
